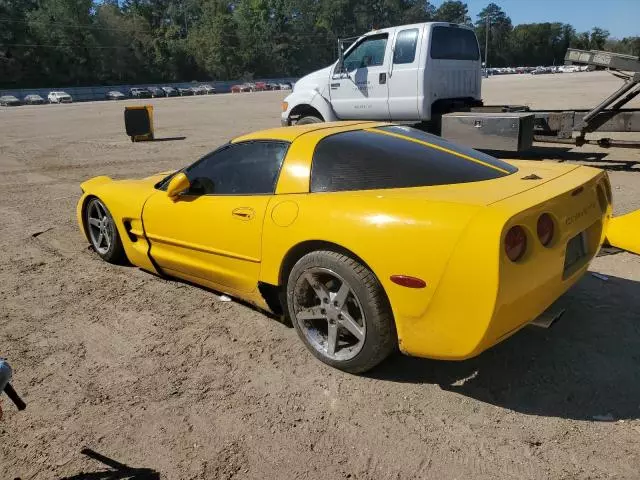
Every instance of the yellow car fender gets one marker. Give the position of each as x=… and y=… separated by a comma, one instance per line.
x=624, y=232
x=125, y=200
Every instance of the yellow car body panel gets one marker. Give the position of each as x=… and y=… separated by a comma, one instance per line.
x=125, y=199
x=624, y=232
x=227, y=252
x=450, y=236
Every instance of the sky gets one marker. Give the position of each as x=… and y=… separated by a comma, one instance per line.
x=620, y=17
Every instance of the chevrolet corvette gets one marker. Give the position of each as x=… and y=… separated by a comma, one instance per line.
x=369, y=236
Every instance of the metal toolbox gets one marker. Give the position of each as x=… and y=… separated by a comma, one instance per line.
x=508, y=131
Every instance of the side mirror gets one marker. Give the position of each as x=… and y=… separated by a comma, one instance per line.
x=178, y=184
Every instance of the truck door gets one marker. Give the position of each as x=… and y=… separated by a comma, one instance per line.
x=403, y=76
x=361, y=90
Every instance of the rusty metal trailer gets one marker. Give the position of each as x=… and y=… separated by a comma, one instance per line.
x=514, y=128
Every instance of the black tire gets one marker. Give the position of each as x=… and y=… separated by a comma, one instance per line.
x=380, y=338
x=115, y=252
x=308, y=119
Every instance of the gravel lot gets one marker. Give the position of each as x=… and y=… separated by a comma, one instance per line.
x=161, y=375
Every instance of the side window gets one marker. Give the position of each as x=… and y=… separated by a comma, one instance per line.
x=369, y=53
x=249, y=168
x=454, y=43
x=405, y=50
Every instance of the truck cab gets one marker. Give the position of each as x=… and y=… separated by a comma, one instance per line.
x=400, y=73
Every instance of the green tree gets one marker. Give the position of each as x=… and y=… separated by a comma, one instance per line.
x=66, y=45
x=500, y=28
x=16, y=61
x=76, y=42
x=539, y=44
x=214, y=42
x=453, y=11
x=598, y=38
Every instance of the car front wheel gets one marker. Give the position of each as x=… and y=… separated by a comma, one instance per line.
x=340, y=311
x=102, y=232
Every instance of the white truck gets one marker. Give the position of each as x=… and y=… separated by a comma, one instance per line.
x=399, y=73
x=430, y=74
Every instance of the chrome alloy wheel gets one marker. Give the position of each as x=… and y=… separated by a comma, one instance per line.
x=100, y=226
x=329, y=314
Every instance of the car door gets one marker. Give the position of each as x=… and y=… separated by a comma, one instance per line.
x=403, y=77
x=213, y=231
x=359, y=87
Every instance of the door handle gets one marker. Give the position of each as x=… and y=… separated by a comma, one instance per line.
x=382, y=78
x=243, y=213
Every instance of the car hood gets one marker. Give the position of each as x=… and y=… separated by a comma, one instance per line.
x=317, y=80
x=147, y=182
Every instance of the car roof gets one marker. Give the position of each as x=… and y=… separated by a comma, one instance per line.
x=289, y=134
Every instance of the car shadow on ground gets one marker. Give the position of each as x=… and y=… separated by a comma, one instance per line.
x=586, y=366
x=116, y=470
x=562, y=154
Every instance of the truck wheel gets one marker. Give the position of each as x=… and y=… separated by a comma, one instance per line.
x=340, y=311
x=308, y=119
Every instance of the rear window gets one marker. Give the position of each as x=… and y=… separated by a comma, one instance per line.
x=397, y=157
x=454, y=43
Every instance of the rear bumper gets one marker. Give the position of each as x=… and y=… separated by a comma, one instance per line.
x=482, y=297
x=460, y=326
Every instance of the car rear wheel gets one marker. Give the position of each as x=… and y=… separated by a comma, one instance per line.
x=340, y=311
x=102, y=232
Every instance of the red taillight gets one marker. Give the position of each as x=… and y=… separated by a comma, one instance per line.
x=515, y=243
x=545, y=229
x=407, y=281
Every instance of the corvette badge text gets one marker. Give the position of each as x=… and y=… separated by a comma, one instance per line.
x=571, y=219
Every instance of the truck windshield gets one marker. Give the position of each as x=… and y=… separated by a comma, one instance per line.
x=454, y=43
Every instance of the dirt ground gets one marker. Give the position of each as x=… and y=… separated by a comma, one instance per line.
x=164, y=377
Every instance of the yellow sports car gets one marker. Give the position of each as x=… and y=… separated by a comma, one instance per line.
x=369, y=236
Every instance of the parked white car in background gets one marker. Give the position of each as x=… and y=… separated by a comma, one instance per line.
x=209, y=89
x=59, y=97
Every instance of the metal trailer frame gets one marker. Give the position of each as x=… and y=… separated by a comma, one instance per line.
x=569, y=126
x=606, y=117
